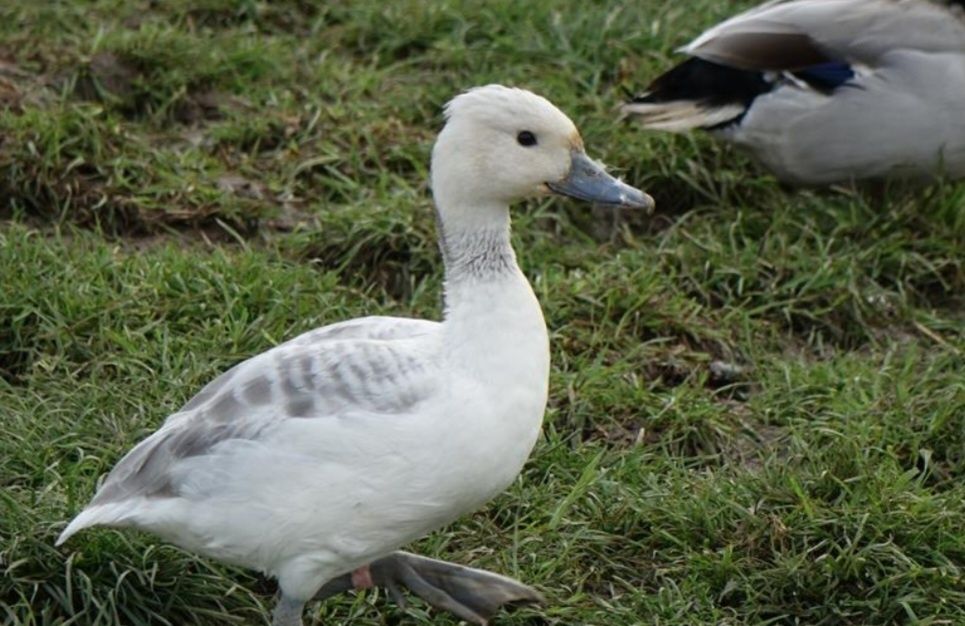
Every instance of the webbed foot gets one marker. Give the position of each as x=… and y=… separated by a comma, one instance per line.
x=471, y=594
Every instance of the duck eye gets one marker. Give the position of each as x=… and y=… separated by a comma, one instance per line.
x=526, y=138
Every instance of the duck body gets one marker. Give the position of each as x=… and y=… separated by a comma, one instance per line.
x=330, y=451
x=825, y=91
x=356, y=439
x=444, y=446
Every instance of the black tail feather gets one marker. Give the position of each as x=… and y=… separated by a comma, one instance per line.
x=707, y=83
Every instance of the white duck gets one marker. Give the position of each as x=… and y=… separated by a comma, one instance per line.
x=822, y=91
x=315, y=460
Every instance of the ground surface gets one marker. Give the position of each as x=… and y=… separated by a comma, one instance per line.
x=757, y=398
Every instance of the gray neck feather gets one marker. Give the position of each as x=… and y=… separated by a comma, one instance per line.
x=477, y=255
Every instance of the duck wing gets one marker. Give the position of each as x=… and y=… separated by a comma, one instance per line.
x=803, y=33
x=375, y=365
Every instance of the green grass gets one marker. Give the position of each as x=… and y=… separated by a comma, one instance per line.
x=185, y=184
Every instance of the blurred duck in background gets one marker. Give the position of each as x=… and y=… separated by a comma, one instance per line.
x=826, y=91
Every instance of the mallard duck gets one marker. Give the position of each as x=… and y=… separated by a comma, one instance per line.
x=824, y=91
x=315, y=461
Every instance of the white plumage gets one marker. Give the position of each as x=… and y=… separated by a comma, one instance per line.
x=339, y=446
x=822, y=91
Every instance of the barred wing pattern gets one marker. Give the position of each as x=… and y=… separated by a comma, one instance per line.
x=364, y=365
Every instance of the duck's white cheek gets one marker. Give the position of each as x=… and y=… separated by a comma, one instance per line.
x=561, y=167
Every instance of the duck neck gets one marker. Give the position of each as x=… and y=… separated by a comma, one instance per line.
x=492, y=321
x=475, y=245
x=482, y=277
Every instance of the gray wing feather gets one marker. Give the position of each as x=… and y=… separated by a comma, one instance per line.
x=144, y=470
x=789, y=35
x=372, y=327
x=354, y=365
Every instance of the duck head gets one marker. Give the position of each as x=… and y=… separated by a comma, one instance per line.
x=502, y=144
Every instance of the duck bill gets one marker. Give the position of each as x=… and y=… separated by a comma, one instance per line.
x=588, y=181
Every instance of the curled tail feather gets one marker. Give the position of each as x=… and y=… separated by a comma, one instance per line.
x=98, y=515
x=681, y=115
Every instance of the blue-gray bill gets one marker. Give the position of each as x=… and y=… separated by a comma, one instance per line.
x=587, y=181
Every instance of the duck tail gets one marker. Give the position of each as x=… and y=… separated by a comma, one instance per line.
x=679, y=116
x=98, y=515
x=697, y=94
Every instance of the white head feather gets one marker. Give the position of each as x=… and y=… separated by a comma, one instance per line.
x=478, y=160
